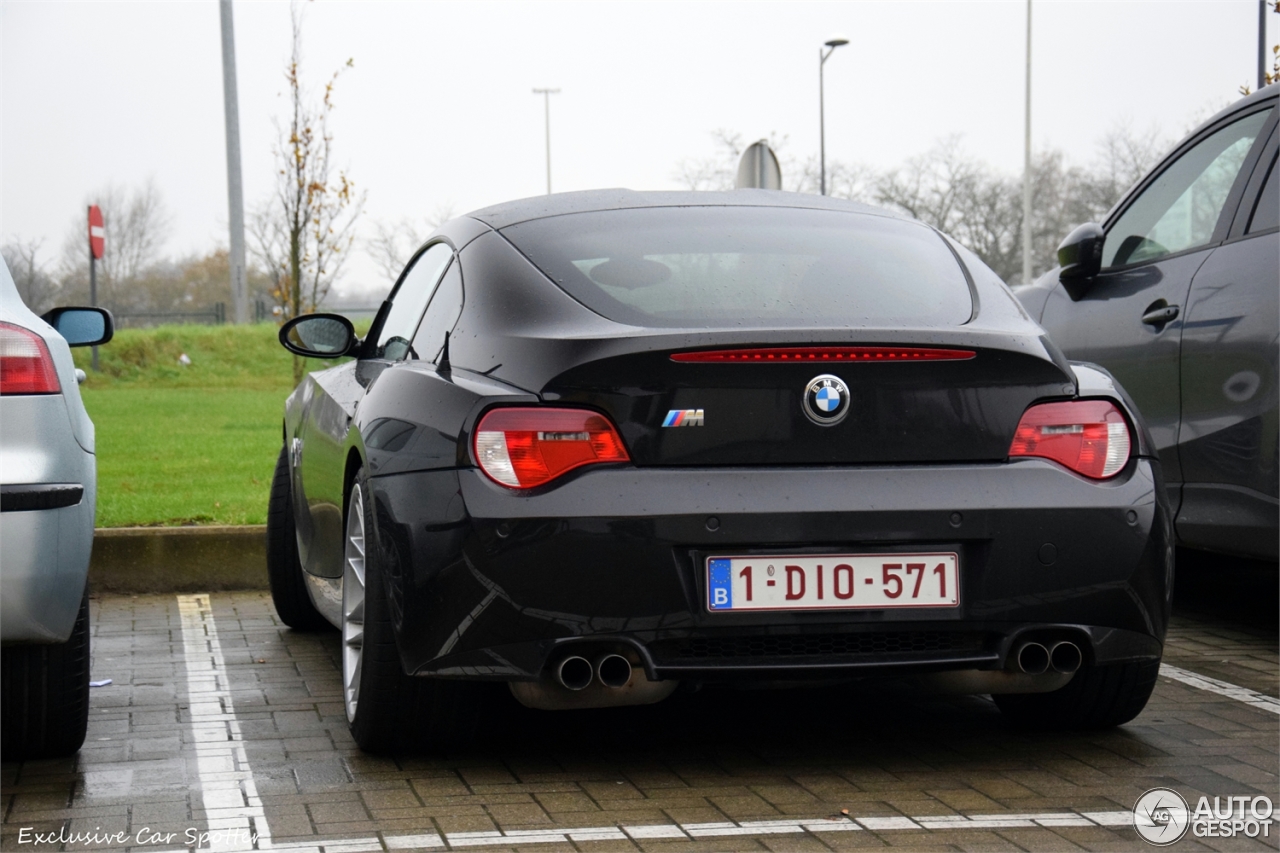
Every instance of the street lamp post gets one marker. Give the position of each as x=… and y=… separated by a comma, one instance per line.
x=546, y=98
x=1026, y=166
x=235, y=187
x=831, y=44
x=1262, y=42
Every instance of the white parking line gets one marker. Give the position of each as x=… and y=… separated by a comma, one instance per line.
x=1222, y=688
x=227, y=791
x=725, y=829
x=695, y=831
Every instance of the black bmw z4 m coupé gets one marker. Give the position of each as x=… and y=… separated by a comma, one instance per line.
x=601, y=445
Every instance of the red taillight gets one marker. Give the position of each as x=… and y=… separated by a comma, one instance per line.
x=25, y=364
x=523, y=448
x=1091, y=437
x=756, y=355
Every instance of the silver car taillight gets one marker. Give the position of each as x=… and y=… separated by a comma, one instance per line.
x=25, y=364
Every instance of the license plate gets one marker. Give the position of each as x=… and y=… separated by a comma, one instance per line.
x=833, y=582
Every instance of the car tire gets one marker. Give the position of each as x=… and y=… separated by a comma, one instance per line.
x=44, y=694
x=1098, y=697
x=284, y=569
x=387, y=710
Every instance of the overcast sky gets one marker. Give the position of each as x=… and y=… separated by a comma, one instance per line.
x=438, y=110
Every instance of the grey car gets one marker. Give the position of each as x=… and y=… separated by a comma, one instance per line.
x=47, y=491
x=1175, y=294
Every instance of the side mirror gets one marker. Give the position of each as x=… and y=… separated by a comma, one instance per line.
x=1080, y=257
x=82, y=327
x=319, y=336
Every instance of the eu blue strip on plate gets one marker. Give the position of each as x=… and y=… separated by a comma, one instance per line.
x=720, y=585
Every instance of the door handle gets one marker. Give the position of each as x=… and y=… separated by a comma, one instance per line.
x=1158, y=315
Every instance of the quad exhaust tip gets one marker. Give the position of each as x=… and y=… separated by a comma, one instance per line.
x=613, y=671
x=1065, y=657
x=1033, y=658
x=574, y=673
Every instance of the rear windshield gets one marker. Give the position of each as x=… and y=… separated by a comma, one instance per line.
x=754, y=267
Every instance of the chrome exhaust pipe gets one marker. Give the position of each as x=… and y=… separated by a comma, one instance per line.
x=1065, y=657
x=613, y=671
x=574, y=673
x=1032, y=658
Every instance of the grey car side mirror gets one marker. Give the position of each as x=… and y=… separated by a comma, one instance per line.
x=320, y=336
x=1080, y=258
x=82, y=327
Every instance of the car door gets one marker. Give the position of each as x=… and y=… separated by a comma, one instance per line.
x=1227, y=442
x=1129, y=320
x=331, y=398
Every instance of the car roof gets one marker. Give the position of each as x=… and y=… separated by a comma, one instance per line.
x=540, y=207
x=1269, y=91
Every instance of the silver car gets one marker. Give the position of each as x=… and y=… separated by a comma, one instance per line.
x=48, y=485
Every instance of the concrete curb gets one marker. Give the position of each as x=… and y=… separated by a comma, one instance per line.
x=178, y=559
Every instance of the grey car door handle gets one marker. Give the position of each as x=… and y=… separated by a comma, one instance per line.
x=1160, y=316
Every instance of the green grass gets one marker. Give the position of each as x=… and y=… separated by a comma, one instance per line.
x=187, y=444
x=171, y=456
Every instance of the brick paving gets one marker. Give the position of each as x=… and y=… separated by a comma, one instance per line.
x=829, y=769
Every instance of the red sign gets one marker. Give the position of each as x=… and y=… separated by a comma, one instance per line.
x=97, y=234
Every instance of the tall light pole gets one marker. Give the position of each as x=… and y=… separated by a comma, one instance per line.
x=1262, y=43
x=546, y=100
x=235, y=189
x=1026, y=167
x=831, y=44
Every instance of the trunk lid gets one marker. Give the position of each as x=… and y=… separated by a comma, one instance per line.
x=753, y=412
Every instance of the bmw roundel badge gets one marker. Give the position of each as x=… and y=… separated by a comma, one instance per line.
x=826, y=400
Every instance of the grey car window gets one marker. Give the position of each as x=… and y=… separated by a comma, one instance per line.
x=1267, y=212
x=441, y=315
x=409, y=301
x=1180, y=209
x=757, y=267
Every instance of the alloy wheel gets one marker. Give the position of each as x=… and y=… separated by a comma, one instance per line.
x=353, y=587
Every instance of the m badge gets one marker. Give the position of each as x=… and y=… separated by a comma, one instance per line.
x=683, y=417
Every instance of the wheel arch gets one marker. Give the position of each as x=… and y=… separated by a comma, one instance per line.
x=355, y=461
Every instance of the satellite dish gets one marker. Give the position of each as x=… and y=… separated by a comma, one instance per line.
x=758, y=168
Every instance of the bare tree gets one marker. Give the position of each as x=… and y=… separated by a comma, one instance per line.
x=137, y=223
x=38, y=289
x=719, y=171
x=852, y=181
x=392, y=244
x=953, y=191
x=303, y=235
x=936, y=187
x=1124, y=157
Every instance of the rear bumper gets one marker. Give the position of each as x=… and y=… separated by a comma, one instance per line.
x=45, y=566
x=486, y=583
x=46, y=519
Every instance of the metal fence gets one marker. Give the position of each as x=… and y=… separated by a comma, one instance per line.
x=216, y=315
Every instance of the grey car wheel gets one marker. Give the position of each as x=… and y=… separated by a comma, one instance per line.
x=353, y=597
